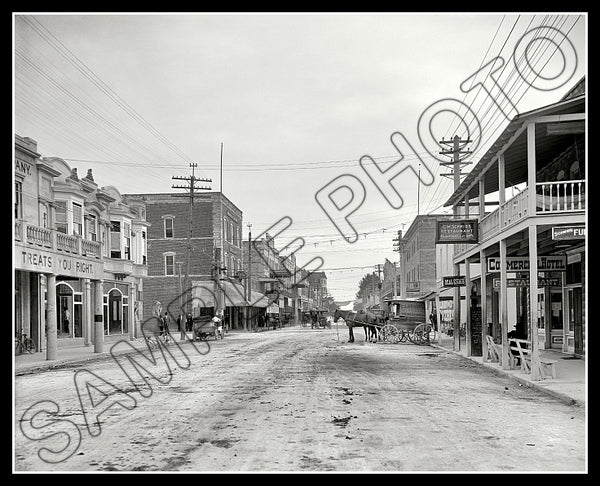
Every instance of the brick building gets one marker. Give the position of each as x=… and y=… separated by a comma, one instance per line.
x=215, y=242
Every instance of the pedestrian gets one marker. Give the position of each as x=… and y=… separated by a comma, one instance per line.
x=66, y=318
x=218, y=323
x=167, y=322
x=189, y=323
x=179, y=322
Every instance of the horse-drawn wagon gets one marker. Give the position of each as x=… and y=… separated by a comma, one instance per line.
x=405, y=321
x=203, y=328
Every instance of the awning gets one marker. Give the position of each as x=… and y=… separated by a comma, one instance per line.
x=203, y=294
x=258, y=299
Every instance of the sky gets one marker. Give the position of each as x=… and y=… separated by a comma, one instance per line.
x=289, y=102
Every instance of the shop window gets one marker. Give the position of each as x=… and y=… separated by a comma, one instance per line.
x=170, y=264
x=18, y=200
x=92, y=228
x=77, y=219
x=573, y=274
x=168, y=227
x=115, y=239
x=115, y=312
x=60, y=209
x=127, y=241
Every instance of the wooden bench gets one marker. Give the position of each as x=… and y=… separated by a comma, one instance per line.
x=523, y=347
x=494, y=350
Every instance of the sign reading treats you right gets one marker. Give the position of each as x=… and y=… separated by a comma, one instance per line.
x=553, y=263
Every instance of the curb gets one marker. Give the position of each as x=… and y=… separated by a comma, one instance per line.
x=523, y=381
x=68, y=362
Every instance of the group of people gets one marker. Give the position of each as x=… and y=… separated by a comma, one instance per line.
x=164, y=322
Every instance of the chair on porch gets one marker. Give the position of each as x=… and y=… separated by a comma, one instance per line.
x=493, y=349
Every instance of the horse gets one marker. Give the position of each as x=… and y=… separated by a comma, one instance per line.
x=362, y=318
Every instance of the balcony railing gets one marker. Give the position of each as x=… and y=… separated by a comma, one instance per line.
x=550, y=198
x=562, y=196
x=55, y=241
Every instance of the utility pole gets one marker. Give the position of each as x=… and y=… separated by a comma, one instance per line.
x=249, y=279
x=457, y=164
x=191, y=188
x=379, y=283
x=399, y=246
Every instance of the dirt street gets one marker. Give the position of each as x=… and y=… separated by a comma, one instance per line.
x=297, y=399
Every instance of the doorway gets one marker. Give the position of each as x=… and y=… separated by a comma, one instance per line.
x=575, y=302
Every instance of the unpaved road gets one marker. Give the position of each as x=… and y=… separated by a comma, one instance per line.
x=297, y=399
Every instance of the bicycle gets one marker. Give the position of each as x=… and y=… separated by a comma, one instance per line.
x=24, y=344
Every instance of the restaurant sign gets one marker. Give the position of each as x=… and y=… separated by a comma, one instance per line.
x=524, y=282
x=457, y=231
x=555, y=263
x=568, y=232
x=456, y=281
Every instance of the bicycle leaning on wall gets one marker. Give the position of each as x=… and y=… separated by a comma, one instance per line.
x=24, y=344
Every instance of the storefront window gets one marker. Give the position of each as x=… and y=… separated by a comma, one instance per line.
x=78, y=315
x=556, y=310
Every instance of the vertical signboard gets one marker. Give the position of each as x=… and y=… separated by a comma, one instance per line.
x=476, y=324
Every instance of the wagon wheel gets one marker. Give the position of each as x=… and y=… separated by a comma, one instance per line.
x=422, y=334
x=390, y=333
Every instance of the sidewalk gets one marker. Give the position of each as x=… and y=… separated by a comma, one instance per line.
x=568, y=386
x=80, y=355
x=32, y=363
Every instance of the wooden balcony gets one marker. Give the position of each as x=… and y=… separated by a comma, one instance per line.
x=550, y=198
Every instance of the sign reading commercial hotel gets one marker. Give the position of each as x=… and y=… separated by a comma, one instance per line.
x=457, y=231
x=568, y=232
x=456, y=281
x=556, y=263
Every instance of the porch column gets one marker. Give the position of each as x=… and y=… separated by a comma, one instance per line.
x=468, y=305
x=533, y=291
x=51, y=333
x=501, y=180
x=87, y=312
x=456, y=323
x=481, y=199
x=484, y=319
x=98, y=310
x=504, y=306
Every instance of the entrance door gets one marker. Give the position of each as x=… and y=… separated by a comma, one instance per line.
x=576, y=318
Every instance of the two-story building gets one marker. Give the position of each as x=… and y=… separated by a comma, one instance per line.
x=79, y=255
x=532, y=248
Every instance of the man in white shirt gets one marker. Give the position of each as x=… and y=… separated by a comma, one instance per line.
x=218, y=323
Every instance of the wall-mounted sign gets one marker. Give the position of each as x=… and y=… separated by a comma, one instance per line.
x=556, y=263
x=41, y=261
x=524, y=282
x=22, y=167
x=557, y=339
x=456, y=281
x=568, y=232
x=457, y=231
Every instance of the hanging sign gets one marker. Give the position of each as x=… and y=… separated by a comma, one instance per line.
x=456, y=281
x=457, y=231
x=568, y=232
